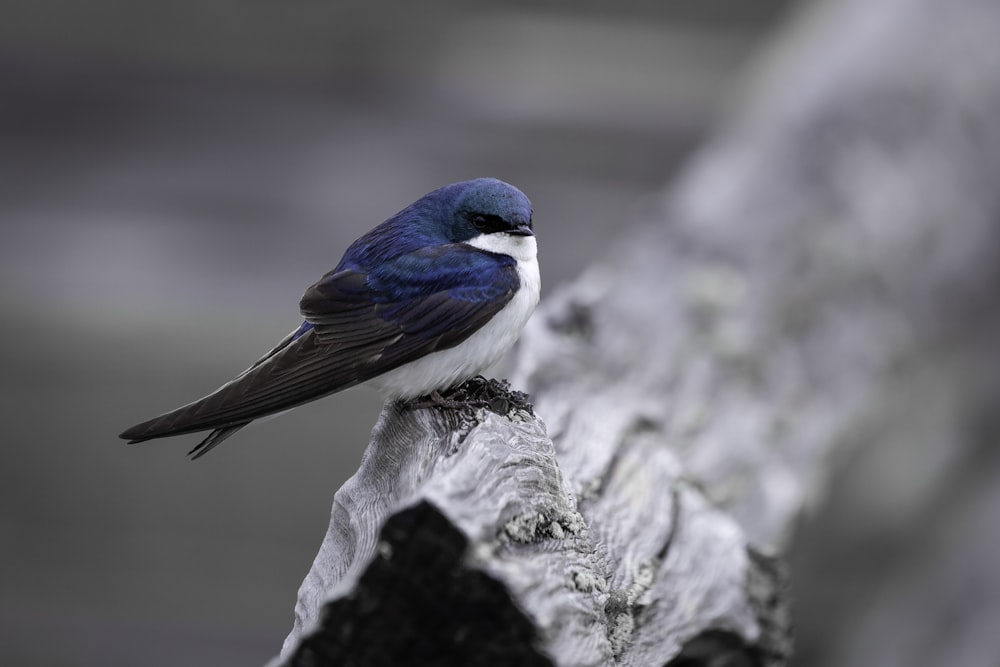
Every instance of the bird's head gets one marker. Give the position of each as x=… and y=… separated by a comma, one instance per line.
x=488, y=214
x=485, y=213
x=486, y=206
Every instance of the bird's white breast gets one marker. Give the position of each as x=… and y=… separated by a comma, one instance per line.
x=486, y=346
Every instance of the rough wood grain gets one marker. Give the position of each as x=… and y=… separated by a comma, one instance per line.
x=692, y=390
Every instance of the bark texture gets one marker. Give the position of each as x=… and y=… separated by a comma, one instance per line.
x=691, y=394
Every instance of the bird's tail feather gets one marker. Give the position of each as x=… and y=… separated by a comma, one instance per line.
x=196, y=416
x=181, y=421
x=214, y=439
x=161, y=427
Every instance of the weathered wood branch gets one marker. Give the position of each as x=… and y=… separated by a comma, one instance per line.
x=691, y=391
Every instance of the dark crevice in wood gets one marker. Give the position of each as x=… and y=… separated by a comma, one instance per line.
x=420, y=603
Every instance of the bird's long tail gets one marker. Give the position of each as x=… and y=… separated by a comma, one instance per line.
x=214, y=439
x=178, y=422
x=204, y=414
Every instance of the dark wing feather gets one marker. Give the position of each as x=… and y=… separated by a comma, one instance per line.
x=303, y=370
x=362, y=325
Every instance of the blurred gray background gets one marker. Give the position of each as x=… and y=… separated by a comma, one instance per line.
x=174, y=175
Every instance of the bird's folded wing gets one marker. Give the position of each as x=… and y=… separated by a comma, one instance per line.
x=363, y=324
x=425, y=301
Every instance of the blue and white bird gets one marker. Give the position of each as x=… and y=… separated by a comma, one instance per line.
x=431, y=297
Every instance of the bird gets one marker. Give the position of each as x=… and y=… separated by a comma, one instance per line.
x=426, y=300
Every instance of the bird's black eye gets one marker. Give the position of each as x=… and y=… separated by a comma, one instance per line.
x=486, y=223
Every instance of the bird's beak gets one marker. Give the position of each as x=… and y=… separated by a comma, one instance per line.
x=523, y=229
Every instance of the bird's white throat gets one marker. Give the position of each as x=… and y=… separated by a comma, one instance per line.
x=486, y=346
x=521, y=248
